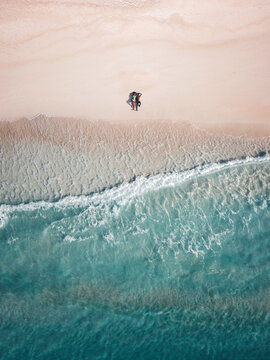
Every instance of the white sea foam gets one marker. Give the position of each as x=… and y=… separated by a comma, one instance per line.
x=127, y=191
x=196, y=217
x=3, y=216
x=69, y=238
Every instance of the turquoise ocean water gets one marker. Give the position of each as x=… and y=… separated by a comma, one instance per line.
x=174, y=266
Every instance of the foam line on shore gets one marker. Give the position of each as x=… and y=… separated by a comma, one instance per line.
x=141, y=185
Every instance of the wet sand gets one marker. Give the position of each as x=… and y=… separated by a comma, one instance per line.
x=49, y=158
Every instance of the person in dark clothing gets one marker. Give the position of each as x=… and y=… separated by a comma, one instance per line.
x=133, y=100
x=138, y=100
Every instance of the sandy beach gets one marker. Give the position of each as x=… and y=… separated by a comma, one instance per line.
x=134, y=235
x=66, y=71
x=204, y=63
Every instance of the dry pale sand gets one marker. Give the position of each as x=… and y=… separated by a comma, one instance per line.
x=203, y=62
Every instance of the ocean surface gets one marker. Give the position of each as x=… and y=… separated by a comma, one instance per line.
x=173, y=266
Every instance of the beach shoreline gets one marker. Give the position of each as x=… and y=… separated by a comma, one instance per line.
x=134, y=234
x=50, y=158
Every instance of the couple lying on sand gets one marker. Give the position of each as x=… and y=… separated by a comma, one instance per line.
x=135, y=101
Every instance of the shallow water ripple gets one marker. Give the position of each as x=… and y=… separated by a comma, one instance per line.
x=173, y=266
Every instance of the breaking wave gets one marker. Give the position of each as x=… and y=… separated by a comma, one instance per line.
x=182, y=257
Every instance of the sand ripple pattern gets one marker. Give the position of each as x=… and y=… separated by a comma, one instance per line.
x=49, y=158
